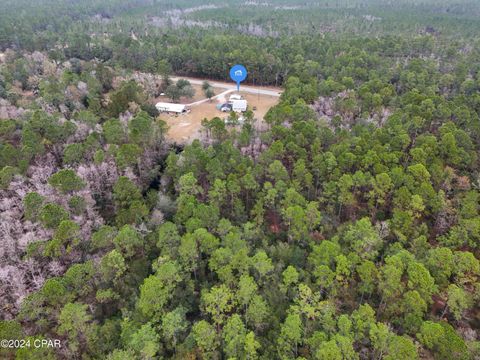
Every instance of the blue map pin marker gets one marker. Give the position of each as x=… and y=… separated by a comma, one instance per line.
x=238, y=73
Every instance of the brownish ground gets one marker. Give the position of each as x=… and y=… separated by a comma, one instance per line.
x=186, y=127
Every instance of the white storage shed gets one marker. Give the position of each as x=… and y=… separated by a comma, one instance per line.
x=239, y=105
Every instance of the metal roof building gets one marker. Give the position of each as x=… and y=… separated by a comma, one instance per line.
x=169, y=107
x=239, y=105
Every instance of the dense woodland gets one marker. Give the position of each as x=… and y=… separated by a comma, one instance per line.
x=348, y=227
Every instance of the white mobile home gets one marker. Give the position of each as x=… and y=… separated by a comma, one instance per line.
x=239, y=105
x=171, y=108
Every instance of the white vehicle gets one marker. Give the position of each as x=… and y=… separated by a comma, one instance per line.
x=171, y=108
x=239, y=105
x=234, y=97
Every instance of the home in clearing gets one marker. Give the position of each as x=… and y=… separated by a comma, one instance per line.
x=171, y=108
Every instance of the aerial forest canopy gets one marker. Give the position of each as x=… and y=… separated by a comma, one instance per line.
x=343, y=224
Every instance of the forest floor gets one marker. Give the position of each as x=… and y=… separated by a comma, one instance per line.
x=184, y=128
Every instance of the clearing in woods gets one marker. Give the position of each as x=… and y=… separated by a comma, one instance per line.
x=184, y=128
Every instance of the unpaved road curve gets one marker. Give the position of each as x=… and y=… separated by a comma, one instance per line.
x=270, y=91
x=214, y=97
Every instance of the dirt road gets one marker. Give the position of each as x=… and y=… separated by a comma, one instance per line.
x=230, y=87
